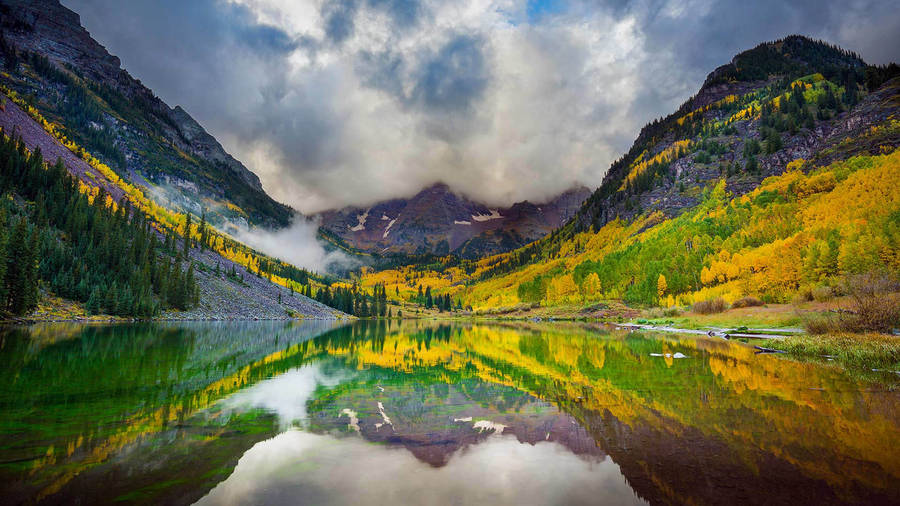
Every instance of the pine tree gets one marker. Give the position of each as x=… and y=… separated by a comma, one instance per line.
x=16, y=269
x=187, y=236
x=203, y=233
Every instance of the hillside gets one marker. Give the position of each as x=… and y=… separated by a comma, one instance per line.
x=126, y=229
x=438, y=221
x=778, y=177
x=52, y=61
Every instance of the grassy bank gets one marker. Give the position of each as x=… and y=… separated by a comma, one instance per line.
x=870, y=351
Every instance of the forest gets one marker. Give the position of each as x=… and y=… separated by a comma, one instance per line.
x=80, y=244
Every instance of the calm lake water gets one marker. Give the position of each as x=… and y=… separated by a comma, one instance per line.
x=423, y=413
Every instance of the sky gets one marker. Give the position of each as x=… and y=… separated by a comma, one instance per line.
x=347, y=102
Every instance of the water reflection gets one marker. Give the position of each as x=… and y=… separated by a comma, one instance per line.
x=534, y=414
x=326, y=470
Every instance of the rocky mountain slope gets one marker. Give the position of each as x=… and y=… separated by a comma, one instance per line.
x=246, y=295
x=74, y=82
x=438, y=221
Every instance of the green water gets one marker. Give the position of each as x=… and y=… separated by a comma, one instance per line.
x=422, y=413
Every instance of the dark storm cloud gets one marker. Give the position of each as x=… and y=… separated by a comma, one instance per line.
x=265, y=38
x=340, y=18
x=338, y=102
x=340, y=15
x=382, y=71
x=455, y=77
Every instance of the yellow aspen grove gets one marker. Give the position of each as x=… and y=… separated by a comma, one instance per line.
x=590, y=287
x=661, y=286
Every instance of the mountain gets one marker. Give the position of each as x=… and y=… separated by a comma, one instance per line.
x=74, y=82
x=668, y=155
x=438, y=221
x=777, y=180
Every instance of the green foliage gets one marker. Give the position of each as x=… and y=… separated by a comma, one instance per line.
x=534, y=290
x=89, y=252
x=355, y=301
x=794, y=56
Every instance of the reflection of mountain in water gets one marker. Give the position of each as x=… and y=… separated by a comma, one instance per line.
x=723, y=425
x=435, y=421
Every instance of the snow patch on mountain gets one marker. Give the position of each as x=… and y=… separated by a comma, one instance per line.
x=495, y=215
x=458, y=222
x=362, y=221
x=388, y=228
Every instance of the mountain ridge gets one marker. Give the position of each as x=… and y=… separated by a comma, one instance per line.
x=124, y=122
x=437, y=220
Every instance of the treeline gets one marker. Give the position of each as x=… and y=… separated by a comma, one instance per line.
x=440, y=302
x=80, y=247
x=352, y=300
x=793, y=55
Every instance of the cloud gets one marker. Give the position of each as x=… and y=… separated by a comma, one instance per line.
x=297, y=245
x=339, y=17
x=455, y=77
x=337, y=102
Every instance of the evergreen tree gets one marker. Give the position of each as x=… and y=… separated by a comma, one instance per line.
x=203, y=231
x=187, y=236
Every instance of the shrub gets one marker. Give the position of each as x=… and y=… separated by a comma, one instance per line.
x=804, y=294
x=822, y=293
x=874, y=305
x=749, y=301
x=660, y=312
x=710, y=306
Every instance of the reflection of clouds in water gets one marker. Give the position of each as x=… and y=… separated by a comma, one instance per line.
x=285, y=395
x=297, y=467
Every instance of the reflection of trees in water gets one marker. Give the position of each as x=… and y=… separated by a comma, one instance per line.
x=103, y=387
x=733, y=419
x=679, y=429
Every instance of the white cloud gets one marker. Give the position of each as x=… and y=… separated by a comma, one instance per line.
x=377, y=98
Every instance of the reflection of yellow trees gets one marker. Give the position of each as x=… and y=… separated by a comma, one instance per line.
x=809, y=415
x=752, y=403
x=98, y=449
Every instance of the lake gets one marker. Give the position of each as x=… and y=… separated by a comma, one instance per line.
x=428, y=413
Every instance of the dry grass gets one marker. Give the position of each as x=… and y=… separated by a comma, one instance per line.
x=710, y=306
